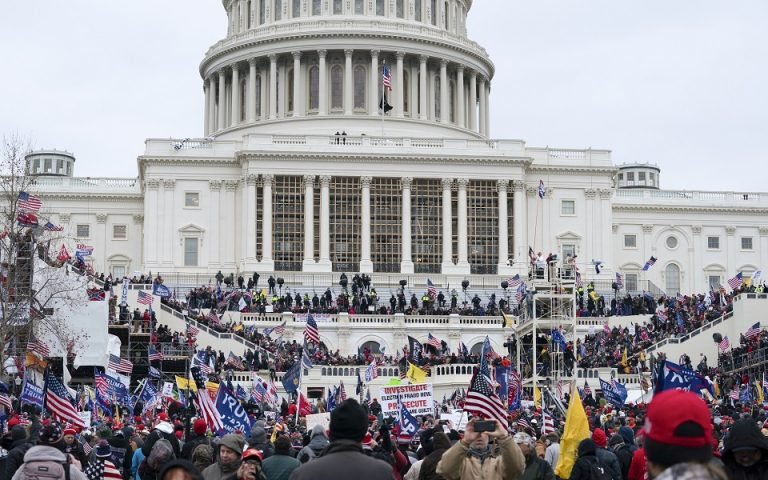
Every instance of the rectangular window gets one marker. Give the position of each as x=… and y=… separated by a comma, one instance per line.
x=83, y=231
x=714, y=282
x=713, y=243
x=746, y=243
x=190, y=252
x=296, y=8
x=59, y=166
x=621, y=176
x=191, y=199
x=630, y=282
x=119, y=232
x=569, y=249
x=568, y=207
x=47, y=165
x=630, y=241
x=36, y=166
x=118, y=272
x=337, y=7
x=641, y=176
x=652, y=178
x=630, y=176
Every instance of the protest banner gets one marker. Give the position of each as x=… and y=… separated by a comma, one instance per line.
x=323, y=419
x=416, y=398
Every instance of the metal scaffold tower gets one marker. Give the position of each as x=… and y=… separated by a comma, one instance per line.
x=547, y=323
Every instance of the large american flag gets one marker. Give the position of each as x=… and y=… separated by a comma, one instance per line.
x=431, y=290
x=753, y=332
x=724, y=344
x=386, y=77
x=434, y=341
x=29, y=202
x=120, y=365
x=58, y=402
x=205, y=404
x=515, y=281
x=145, y=298
x=154, y=354
x=482, y=400
x=39, y=347
x=192, y=331
x=736, y=281
x=547, y=423
x=310, y=332
x=342, y=392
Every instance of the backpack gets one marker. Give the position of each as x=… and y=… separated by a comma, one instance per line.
x=309, y=453
x=598, y=472
x=44, y=470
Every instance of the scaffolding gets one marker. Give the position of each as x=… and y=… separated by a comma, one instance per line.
x=547, y=315
x=18, y=296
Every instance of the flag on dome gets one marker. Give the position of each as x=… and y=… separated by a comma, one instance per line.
x=386, y=77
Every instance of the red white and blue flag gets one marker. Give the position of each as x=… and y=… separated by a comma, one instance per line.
x=154, y=354
x=58, y=402
x=434, y=341
x=736, y=281
x=431, y=290
x=753, y=332
x=145, y=298
x=311, y=332
x=29, y=202
x=386, y=76
x=119, y=365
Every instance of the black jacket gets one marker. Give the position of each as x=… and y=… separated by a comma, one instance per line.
x=15, y=458
x=189, y=447
x=156, y=435
x=587, y=457
x=344, y=459
x=624, y=454
x=745, y=433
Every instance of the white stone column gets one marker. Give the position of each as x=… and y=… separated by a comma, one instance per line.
x=423, y=87
x=322, y=104
x=227, y=217
x=399, y=85
x=235, y=95
x=376, y=84
x=211, y=105
x=444, y=88
x=501, y=186
x=483, y=109
x=309, y=220
x=518, y=224
x=251, y=99
x=763, y=239
x=266, y=222
x=206, y=120
x=169, y=186
x=487, y=101
x=222, y=100
x=460, y=118
x=348, y=81
x=366, y=265
x=473, y=102
x=250, y=220
x=447, y=224
x=462, y=221
x=325, y=230
x=214, y=244
x=151, y=215
x=272, y=87
x=298, y=103
x=406, y=262
x=700, y=280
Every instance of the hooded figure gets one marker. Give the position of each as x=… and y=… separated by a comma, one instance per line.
x=162, y=430
x=621, y=450
x=746, y=451
x=259, y=440
x=582, y=469
x=318, y=442
x=50, y=448
x=605, y=456
x=629, y=438
x=230, y=450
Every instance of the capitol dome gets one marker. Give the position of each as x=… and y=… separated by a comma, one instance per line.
x=322, y=63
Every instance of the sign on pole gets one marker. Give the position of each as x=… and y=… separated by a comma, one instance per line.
x=416, y=398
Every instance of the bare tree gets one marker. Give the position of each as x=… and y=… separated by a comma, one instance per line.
x=37, y=293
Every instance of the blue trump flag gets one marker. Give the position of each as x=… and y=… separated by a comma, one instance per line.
x=291, y=378
x=672, y=376
x=611, y=394
x=233, y=415
x=331, y=400
x=161, y=290
x=408, y=423
x=31, y=394
x=502, y=377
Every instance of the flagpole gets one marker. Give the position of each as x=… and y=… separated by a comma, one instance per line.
x=383, y=92
x=301, y=375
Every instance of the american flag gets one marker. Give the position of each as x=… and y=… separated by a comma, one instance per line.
x=145, y=298
x=736, y=281
x=154, y=354
x=235, y=361
x=371, y=371
x=651, y=261
x=520, y=293
x=87, y=448
x=52, y=228
x=120, y=365
x=342, y=392
x=662, y=315
x=102, y=386
x=310, y=332
x=482, y=400
x=724, y=344
x=547, y=423
x=542, y=190
x=515, y=281
x=29, y=202
x=192, y=331
x=587, y=390
x=205, y=404
x=434, y=341
x=279, y=330
x=200, y=360
x=386, y=76
x=58, y=402
x=431, y=290
x=103, y=469
x=734, y=394
x=39, y=347
x=619, y=281
x=753, y=332
x=5, y=400
x=523, y=424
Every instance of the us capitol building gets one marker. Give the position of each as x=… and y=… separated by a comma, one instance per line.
x=298, y=170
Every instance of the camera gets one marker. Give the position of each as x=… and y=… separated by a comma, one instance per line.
x=485, y=426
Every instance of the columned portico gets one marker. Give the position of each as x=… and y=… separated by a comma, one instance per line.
x=447, y=183
x=373, y=106
x=462, y=223
x=322, y=82
x=272, y=87
x=325, y=229
x=366, y=265
x=503, y=266
x=309, y=222
x=267, y=262
x=406, y=264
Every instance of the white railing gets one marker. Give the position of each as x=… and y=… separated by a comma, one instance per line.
x=111, y=184
x=687, y=196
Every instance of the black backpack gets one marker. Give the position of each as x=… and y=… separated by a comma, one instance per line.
x=597, y=471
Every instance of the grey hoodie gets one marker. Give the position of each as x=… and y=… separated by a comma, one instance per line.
x=44, y=453
x=317, y=443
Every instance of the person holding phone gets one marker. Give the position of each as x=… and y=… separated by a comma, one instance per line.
x=475, y=457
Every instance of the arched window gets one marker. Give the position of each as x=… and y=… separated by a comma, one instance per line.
x=437, y=98
x=359, y=7
x=296, y=8
x=290, y=89
x=406, y=92
x=476, y=349
x=672, y=279
x=337, y=87
x=452, y=102
x=243, y=99
x=316, y=7
x=337, y=4
x=314, y=88
x=278, y=10
x=417, y=11
x=380, y=8
x=359, y=80
x=399, y=9
x=258, y=96
x=371, y=346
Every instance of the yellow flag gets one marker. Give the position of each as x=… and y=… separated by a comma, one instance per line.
x=237, y=328
x=506, y=322
x=536, y=397
x=624, y=360
x=213, y=388
x=415, y=374
x=759, y=391
x=717, y=389
x=34, y=361
x=576, y=430
x=185, y=384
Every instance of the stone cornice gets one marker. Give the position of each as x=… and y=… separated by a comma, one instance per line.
x=105, y=195
x=645, y=207
x=377, y=157
x=571, y=170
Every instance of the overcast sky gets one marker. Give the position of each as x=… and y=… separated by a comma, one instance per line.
x=678, y=83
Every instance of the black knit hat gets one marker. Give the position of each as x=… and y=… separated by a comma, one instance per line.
x=51, y=434
x=348, y=421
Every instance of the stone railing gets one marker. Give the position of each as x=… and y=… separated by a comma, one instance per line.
x=689, y=196
x=87, y=184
